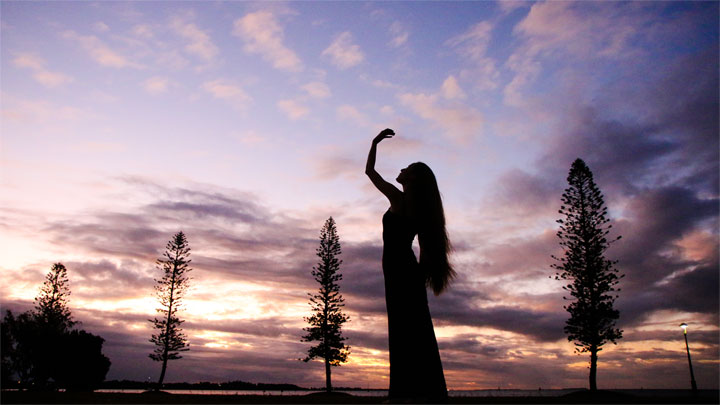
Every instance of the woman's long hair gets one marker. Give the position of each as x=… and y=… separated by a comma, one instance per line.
x=425, y=208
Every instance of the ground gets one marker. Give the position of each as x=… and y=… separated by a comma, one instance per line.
x=585, y=397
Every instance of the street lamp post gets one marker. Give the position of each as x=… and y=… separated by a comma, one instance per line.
x=687, y=347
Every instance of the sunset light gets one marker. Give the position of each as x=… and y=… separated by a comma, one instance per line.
x=246, y=125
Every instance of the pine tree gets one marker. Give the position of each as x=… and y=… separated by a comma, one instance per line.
x=327, y=319
x=169, y=340
x=592, y=278
x=51, y=305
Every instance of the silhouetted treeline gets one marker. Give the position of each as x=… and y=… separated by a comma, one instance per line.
x=42, y=351
x=229, y=385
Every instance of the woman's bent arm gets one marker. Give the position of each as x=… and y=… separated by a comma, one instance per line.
x=390, y=191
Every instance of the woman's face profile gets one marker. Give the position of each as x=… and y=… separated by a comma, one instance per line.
x=405, y=175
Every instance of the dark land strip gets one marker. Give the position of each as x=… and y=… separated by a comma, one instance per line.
x=582, y=397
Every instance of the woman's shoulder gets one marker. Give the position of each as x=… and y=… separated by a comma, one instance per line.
x=398, y=206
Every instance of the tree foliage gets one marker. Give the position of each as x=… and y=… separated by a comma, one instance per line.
x=169, y=340
x=51, y=305
x=21, y=338
x=80, y=366
x=328, y=318
x=42, y=351
x=592, y=278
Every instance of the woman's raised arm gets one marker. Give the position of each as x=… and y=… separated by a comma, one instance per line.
x=391, y=192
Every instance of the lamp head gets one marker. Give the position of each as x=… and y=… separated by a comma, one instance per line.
x=684, y=327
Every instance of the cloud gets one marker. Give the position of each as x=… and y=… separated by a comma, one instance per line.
x=472, y=45
x=343, y=52
x=101, y=27
x=30, y=61
x=156, y=85
x=526, y=70
x=603, y=31
x=682, y=116
x=263, y=35
x=253, y=257
x=521, y=194
x=647, y=256
x=317, y=89
x=43, y=76
x=540, y=325
x=458, y=121
x=297, y=107
x=293, y=109
x=382, y=84
x=399, y=34
x=387, y=110
x=349, y=113
x=111, y=280
x=99, y=51
x=228, y=91
x=40, y=111
x=451, y=90
x=199, y=42
x=509, y=6
x=671, y=134
x=330, y=163
x=657, y=167
x=143, y=31
x=577, y=32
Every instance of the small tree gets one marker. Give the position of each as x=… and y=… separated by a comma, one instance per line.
x=81, y=366
x=592, y=278
x=7, y=350
x=25, y=350
x=51, y=305
x=327, y=319
x=16, y=362
x=169, y=340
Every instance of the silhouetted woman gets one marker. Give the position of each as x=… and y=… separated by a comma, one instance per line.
x=415, y=368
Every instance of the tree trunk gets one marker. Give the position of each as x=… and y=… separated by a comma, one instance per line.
x=162, y=374
x=328, y=380
x=167, y=325
x=593, y=368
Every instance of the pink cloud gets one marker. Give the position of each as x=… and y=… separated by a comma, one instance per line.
x=263, y=35
x=459, y=122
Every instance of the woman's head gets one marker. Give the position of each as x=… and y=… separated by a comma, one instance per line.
x=415, y=174
x=425, y=208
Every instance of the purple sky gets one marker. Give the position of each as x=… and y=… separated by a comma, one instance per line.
x=246, y=125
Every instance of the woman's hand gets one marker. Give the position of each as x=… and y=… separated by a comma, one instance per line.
x=385, y=133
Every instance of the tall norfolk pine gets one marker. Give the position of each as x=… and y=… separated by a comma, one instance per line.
x=327, y=319
x=169, y=340
x=592, y=278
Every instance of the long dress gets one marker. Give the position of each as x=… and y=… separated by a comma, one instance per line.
x=415, y=366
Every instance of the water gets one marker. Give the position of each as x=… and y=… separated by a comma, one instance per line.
x=656, y=393
x=365, y=393
x=360, y=393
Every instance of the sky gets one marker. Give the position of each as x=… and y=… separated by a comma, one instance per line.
x=246, y=125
